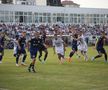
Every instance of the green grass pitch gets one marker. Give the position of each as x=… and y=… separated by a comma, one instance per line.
x=78, y=75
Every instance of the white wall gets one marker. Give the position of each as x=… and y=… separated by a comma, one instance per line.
x=41, y=2
x=50, y=9
x=14, y=1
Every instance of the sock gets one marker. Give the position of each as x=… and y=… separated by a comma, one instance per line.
x=105, y=55
x=71, y=54
x=33, y=68
x=17, y=59
x=24, y=58
x=45, y=57
x=40, y=54
x=97, y=56
x=30, y=65
x=86, y=57
x=59, y=57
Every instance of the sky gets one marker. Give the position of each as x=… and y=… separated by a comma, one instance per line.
x=92, y=3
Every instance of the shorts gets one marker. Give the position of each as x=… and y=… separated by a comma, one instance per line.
x=33, y=53
x=101, y=50
x=59, y=50
x=83, y=48
x=74, y=48
x=42, y=48
x=22, y=51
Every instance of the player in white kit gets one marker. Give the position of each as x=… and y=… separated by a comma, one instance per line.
x=59, y=47
x=15, y=41
x=82, y=46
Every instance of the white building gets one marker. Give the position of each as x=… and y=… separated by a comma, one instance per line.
x=30, y=2
x=47, y=14
x=25, y=2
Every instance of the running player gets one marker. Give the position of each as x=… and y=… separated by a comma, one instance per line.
x=42, y=47
x=2, y=38
x=59, y=47
x=74, y=46
x=33, y=45
x=99, y=47
x=21, y=42
x=82, y=46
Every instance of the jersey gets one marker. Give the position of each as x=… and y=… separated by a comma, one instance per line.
x=22, y=42
x=58, y=42
x=75, y=42
x=34, y=43
x=59, y=47
x=82, y=44
x=82, y=40
x=41, y=44
x=99, y=45
x=100, y=42
x=43, y=38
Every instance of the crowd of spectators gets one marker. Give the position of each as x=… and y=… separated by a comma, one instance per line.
x=16, y=29
x=91, y=32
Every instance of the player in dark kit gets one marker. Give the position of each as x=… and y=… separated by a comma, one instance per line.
x=99, y=47
x=21, y=49
x=74, y=46
x=33, y=45
x=2, y=38
x=42, y=47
